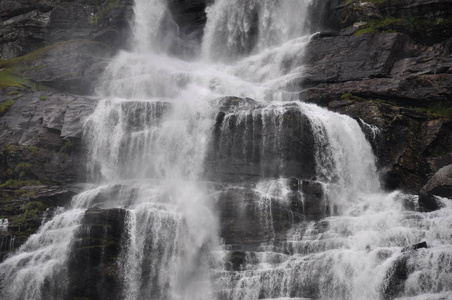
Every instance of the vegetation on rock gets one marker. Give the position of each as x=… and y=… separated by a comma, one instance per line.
x=5, y=106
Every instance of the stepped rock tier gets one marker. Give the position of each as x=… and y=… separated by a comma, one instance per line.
x=225, y=149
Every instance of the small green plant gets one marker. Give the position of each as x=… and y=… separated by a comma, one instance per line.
x=4, y=107
x=22, y=169
x=352, y=97
x=440, y=111
x=14, y=184
x=68, y=147
x=35, y=205
x=43, y=98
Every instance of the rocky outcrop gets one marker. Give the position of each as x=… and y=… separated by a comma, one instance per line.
x=190, y=17
x=93, y=269
x=409, y=146
x=441, y=183
x=23, y=209
x=42, y=131
x=388, y=66
x=250, y=142
x=391, y=79
x=72, y=66
x=29, y=25
x=61, y=44
x=427, y=22
x=399, y=272
x=249, y=218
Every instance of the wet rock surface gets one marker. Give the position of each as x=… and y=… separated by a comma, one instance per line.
x=411, y=145
x=93, y=270
x=24, y=209
x=441, y=183
x=257, y=142
x=388, y=81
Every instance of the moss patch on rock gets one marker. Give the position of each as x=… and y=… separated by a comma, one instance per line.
x=4, y=107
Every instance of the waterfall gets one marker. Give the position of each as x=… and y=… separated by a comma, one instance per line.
x=234, y=198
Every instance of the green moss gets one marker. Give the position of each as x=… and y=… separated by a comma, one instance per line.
x=12, y=70
x=352, y=97
x=31, y=211
x=35, y=205
x=441, y=111
x=409, y=25
x=34, y=150
x=12, y=93
x=4, y=107
x=384, y=25
x=10, y=78
x=22, y=169
x=43, y=98
x=14, y=183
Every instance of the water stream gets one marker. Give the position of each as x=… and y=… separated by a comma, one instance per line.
x=272, y=198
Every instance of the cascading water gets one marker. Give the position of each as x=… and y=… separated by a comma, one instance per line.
x=291, y=188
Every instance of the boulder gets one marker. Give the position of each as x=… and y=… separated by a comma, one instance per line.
x=441, y=183
x=415, y=246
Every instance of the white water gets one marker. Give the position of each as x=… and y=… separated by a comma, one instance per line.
x=38, y=269
x=148, y=141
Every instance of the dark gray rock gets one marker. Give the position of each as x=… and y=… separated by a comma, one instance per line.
x=315, y=203
x=248, y=218
x=190, y=17
x=43, y=129
x=441, y=183
x=415, y=246
x=72, y=66
x=410, y=148
x=29, y=25
x=428, y=203
x=350, y=58
x=395, y=278
x=26, y=208
x=255, y=143
x=93, y=270
x=424, y=21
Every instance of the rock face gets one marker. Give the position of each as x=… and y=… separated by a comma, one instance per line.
x=397, y=81
x=407, y=144
x=40, y=149
x=398, y=85
x=256, y=142
x=43, y=130
x=386, y=66
x=29, y=25
x=24, y=209
x=425, y=21
x=72, y=66
x=93, y=271
x=190, y=17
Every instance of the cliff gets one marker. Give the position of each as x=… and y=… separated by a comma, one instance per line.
x=387, y=64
